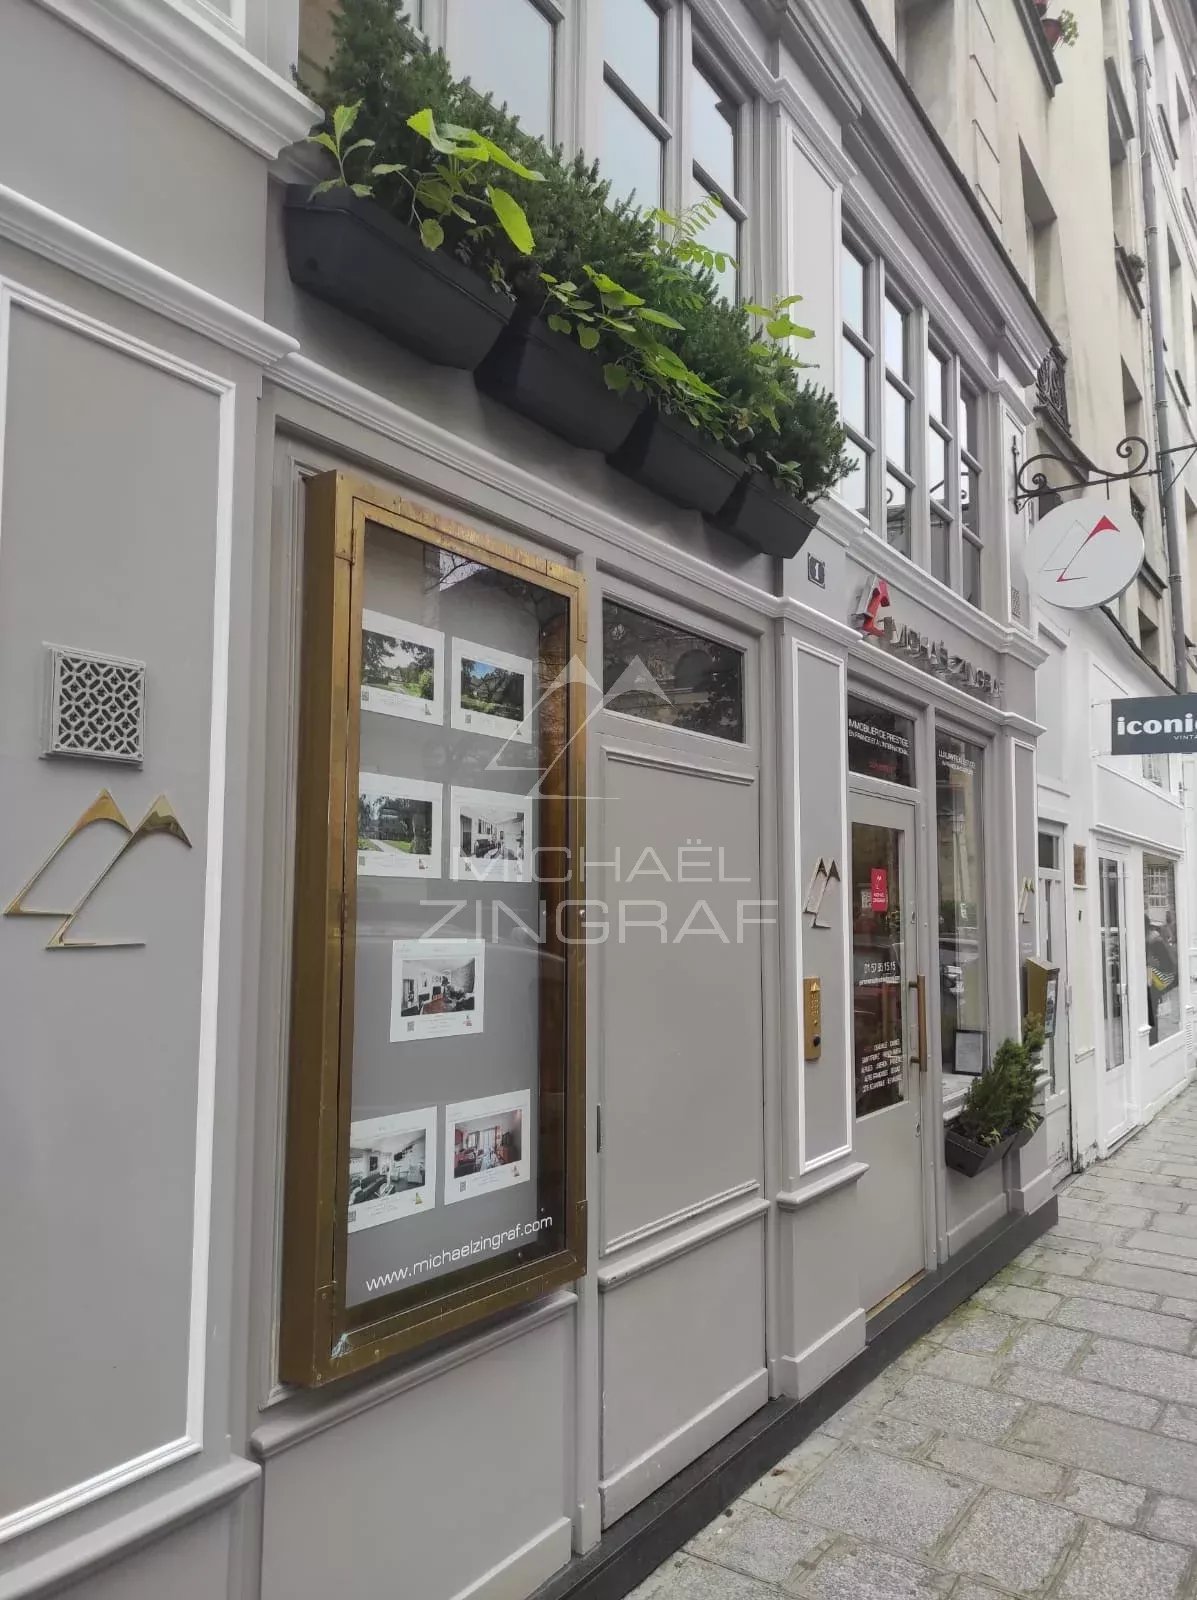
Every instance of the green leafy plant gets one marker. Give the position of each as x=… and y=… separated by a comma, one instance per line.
x=1068, y=26
x=455, y=184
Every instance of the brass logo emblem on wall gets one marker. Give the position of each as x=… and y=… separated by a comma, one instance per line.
x=160, y=818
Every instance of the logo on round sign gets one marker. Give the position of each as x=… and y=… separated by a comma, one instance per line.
x=1083, y=553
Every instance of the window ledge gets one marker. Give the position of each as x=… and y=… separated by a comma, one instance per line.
x=1128, y=280
x=1042, y=51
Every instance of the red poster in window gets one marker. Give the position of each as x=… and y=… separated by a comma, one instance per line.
x=879, y=887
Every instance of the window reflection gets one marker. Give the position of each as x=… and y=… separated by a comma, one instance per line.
x=632, y=46
x=963, y=986
x=1162, y=947
x=664, y=673
x=631, y=153
x=506, y=48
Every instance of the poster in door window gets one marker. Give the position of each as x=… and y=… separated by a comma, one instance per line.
x=878, y=991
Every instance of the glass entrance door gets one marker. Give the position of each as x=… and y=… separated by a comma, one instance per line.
x=891, y=1243
x=1115, y=1095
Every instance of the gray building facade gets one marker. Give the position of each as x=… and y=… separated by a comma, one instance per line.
x=754, y=1188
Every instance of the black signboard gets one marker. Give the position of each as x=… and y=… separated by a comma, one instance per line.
x=1153, y=725
x=880, y=742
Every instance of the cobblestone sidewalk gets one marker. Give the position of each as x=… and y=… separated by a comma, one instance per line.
x=1041, y=1441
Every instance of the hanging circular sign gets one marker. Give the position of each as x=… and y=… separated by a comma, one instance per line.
x=1083, y=553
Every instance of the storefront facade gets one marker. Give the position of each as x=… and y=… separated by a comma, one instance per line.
x=704, y=1142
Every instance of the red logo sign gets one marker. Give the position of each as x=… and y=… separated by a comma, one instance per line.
x=879, y=888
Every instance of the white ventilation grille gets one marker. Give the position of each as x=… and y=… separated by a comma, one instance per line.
x=1016, y=602
x=95, y=706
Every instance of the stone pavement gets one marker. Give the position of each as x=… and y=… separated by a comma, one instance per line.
x=1040, y=1441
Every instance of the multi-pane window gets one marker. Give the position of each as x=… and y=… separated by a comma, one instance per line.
x=915, y=425
x=715, y=165
x=1162, y=945
x=635, y=134
x=508, y=47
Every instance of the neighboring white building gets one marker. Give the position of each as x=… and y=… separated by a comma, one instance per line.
x=1031, y=125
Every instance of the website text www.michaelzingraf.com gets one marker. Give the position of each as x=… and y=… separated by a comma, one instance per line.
x=462, y=1253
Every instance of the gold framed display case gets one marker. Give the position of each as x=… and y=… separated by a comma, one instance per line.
x=435, y=1162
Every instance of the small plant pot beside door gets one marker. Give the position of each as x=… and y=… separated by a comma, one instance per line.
x=550, y=379
x=964, y=1155
x=671, y=457
x=351, y=253
x=767, y=518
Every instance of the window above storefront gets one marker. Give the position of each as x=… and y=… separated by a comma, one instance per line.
x=916, y=425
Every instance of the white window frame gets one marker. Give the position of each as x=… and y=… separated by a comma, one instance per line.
x=432, y=19
x=661, y=123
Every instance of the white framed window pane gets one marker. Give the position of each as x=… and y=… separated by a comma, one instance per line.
x=897, y=514
x=970, y=499
x=1162, y=948
x=631, y=154
x=972, y=573
x=895, y=337
x=941, y=546
x=854, y=489
x=506, y=48
x=970, y=432
x=852, y=273
x=937, y=464
x=632, y=45
x=897, y=411
x=937, y=385
x=854, y=399
x=713, y=129
x=723, y=235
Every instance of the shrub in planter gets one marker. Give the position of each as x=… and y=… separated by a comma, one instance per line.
x=1023, y=1058
x=979, y=1137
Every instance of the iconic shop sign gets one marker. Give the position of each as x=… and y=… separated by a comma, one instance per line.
x=872, y=616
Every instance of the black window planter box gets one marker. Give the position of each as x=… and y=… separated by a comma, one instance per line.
x=1025, y=1135
x=767, y=518
x=350, y=252
x=963, y=1155
x=550, y=379
x=669, y=456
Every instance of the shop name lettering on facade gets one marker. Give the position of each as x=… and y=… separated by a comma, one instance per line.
x=871, y=616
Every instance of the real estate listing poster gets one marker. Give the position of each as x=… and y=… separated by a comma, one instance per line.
x=491, y=836
x=403, y=668
x=398, y=827
x=392, y=1167
x=486, y=1145
x=492, y=692
x=437, y=987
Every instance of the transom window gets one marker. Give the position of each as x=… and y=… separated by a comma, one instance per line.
x=901, y=384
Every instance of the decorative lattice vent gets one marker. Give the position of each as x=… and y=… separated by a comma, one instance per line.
x=95, y=706
x=1016, y=602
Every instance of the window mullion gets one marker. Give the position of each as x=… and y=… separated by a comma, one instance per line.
x=920, y=529
x=679, y=154
x=951, y=497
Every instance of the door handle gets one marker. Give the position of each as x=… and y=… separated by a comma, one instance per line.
x=919, y=985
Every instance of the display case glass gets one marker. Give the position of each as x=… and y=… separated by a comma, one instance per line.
x=434, y=1160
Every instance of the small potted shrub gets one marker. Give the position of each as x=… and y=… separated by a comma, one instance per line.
x=1060, y=30
x=979, y=1136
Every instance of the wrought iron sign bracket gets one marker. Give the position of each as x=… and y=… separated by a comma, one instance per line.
x=1031, y=485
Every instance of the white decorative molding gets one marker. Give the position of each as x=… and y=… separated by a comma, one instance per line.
x=197, y=56
x=801, y=866
x=680, y=1244
x=473, y=463
x=700, y=1208
x=797, y=1199
x=116, y=1477
x=56, y=238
